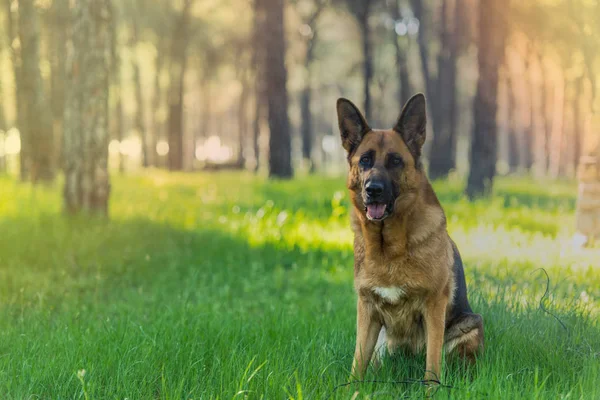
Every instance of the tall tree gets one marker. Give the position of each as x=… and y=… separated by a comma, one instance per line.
x=513, y=139
x=442, y=157
x=361, y=10
x=483, y=155
x=140, y=125
x=12, y=35
x=2, y=126
x=309, y=32
x=87, y=185
x=404, y=88
x=36, y=126
x=258, y=61
x=280, y=146
x=59, y=25
x=116, y=93
x=179, y=59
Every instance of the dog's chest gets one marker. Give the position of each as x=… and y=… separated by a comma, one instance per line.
x=391, y=294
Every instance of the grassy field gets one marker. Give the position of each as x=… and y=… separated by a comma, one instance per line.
x=228, y=286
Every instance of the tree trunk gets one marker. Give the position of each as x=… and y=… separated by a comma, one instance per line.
x=258, y=62
x=115, y=76
x=404, y=89
x=556, y=153
x=2, y=128
x=179, y=46
x=306, y=125
x=87, y=185
x=419, y=12
x=280, y=151
x=156, y=105
x=529, y=133
x=442, y=157
x=367, y=57
x=59, y=37
x=36, y=128
x=578, y=129
x=483, y=155
x=513, y=140
x=242, y=121
x=546, y=124
x=15, y=53
x=140, y=125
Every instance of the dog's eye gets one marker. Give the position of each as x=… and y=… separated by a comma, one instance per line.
x=365, y=160
x=396, y=161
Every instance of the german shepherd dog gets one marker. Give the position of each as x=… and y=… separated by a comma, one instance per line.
x=408, y=273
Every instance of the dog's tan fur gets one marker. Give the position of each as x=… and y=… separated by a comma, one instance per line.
x=410, y=251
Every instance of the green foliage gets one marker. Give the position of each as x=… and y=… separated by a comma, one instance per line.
x=230, y=286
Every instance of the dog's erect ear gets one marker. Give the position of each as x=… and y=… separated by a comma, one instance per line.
x=412, y=123
x=353, y=125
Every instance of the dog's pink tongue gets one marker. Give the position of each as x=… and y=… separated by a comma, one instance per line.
x=376, y=211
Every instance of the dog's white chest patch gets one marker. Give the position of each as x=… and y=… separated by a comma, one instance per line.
x=390, y=294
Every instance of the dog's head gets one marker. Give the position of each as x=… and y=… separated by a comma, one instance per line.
x=385, y=168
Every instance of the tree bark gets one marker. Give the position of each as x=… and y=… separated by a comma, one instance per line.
x=529, y=133
x=578, y=133
x=2, y=127
x=179, y=47
x=156, y=105
x=546, y=124
x=36, y=128
x=15, y=55
x=483, y=154
x=115, y=77
x=87, y=184
x=513, y=139
x=404, y=89
x=280, y=151
x=242, y=120
x=442, y=157
x=365, y=36
x=258, y=62
x=59, y=36
x=419, y=12
x=140, y=125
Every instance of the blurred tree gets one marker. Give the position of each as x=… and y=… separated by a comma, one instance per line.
x=280, y=146
x=36, y=129
x=401, y=49
x=116, y=94
x=58, y=26
x=258, y=60
x=178, y=65
x=493, y=16
x=12, y=36
x=310, y=11
x=513, y=139
x=87, y=185
x=139, y=119
x=3, y=125
x=453, y=37
x=361, y=10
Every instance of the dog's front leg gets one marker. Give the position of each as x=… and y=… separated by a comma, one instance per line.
x=435, y=321
x=367, y=331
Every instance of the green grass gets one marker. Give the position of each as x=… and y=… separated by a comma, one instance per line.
x=228, y=286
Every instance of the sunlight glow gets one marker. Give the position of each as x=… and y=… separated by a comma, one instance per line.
x=12, y=144
x=113, y=147
x=162, y=148
x=212, y=150
x=131, y=147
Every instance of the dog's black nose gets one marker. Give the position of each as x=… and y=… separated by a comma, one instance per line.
x=374, y=189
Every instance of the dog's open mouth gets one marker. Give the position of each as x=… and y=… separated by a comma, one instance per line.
x=376, y=211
